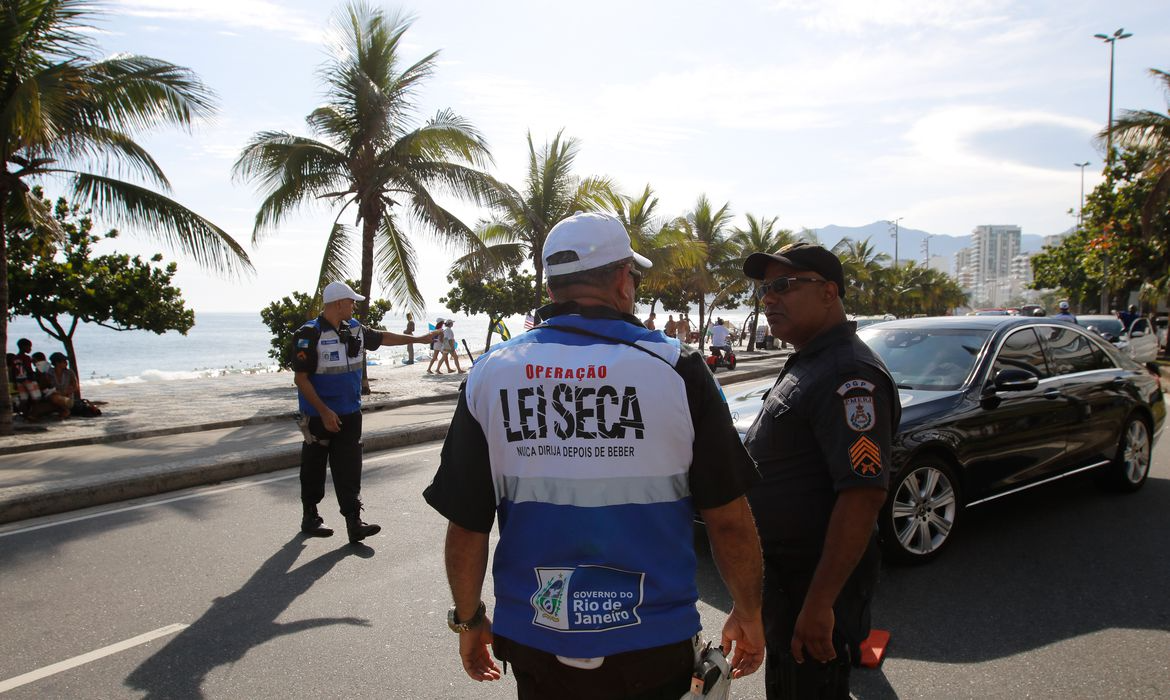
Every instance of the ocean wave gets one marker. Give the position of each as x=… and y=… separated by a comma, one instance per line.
x=158, y=375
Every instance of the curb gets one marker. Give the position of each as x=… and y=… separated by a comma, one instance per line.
x=37, y=500
x=23, y=502
x=200, y=427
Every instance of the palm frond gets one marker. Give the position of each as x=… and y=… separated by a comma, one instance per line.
x=338, y=253
x=176, y=225
x=395, y=261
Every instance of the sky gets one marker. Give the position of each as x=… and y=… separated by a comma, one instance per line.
x=945, y=114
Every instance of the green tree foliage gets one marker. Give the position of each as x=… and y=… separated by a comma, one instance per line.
x=1149, y=132
x=1111, y=249
x=285, y=316
x=62, y=283
x=522, y=220
x=497, y=297
x=367, y=157
x=868, y=279
x=760, y=236
x=64, y=112
x=716, y=272
x=911, y=289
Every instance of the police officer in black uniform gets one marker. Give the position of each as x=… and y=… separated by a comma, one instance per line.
x=822, y=444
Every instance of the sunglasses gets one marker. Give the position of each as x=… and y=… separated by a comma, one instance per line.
x=636, y=274
x=781, y=285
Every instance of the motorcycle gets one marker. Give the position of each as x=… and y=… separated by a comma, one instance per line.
x=725, y=359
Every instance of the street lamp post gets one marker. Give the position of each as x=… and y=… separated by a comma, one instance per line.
x=1112, y=41
x=894, y=223
x=1081, y=210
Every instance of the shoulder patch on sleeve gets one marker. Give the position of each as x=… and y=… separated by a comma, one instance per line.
x=302, y=342
x=855, y=385
x=865, y=457
x=859, y=413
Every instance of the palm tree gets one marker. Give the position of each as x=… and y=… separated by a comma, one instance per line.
x=369, y=155
x=863, y=265
x=1146, y=129
x=523, y=219
x=760, y=236
x=66, y=114
x=666, y=246
x=707, y=226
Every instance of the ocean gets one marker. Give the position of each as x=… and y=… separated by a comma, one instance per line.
x=226, y=343
x=218, y=344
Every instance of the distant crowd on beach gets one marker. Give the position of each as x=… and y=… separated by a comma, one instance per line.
x=40, y=387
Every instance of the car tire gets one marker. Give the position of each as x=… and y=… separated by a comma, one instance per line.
x=919, y=517
x=1131, y=466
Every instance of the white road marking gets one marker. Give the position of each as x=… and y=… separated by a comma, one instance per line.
x=199, y=494
x=45, y=672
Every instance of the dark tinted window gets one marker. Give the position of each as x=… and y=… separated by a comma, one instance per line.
x=1141, y=325
x=1021, y=350
x=1070, y=351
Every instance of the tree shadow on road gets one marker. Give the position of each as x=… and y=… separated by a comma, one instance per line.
x=236, y=623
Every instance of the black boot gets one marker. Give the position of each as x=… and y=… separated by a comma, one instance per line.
x=313, y=524
x=358, y=530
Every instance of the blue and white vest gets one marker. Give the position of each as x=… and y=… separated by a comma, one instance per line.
x=338, y=377
x=590, y=446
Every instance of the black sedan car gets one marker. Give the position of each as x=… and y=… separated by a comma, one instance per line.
x=993, y=405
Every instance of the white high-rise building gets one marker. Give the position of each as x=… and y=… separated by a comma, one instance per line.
x=985, y=268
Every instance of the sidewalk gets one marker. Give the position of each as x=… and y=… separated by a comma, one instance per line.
x=135, y=457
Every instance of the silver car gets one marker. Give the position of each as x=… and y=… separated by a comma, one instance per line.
x=1138, y=341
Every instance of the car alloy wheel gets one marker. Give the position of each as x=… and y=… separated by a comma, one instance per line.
x=1131, y=466
x=919, y=517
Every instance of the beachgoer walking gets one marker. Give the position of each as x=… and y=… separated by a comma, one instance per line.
x=585, y=490
x=329, y=353
x=822, y=444
x=437, y=347
x=450, y=349
x=683, y=329
x=671, y=328
x=409, y=330
x=650, y=322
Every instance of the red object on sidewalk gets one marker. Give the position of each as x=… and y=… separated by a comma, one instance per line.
x=873, y=649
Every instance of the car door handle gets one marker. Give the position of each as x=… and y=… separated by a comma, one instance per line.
x=1052, y=394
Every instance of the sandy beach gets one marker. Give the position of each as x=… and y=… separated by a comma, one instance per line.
x=138, y=406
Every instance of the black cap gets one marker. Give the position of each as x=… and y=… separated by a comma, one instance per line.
x=802, y=256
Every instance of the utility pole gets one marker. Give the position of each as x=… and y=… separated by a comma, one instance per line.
x=1112, y=41
x=926, y=249
x=1081, y=210
x=894, y=232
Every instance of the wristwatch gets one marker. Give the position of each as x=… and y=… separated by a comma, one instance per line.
x=476, y=619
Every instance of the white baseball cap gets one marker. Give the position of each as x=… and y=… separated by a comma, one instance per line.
x=596, y=240
x=335, y=291
x=1063, y=304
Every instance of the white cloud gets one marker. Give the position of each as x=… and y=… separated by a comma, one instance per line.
x=250, y=14
x=854, y=16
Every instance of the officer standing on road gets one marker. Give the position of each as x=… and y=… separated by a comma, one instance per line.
x=329, y=353
x=594, y=439
x=822, y=443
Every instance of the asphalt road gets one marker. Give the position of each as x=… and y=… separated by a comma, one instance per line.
x=211, y=593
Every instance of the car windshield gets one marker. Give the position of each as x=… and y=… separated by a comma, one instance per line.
x=1112, y=326
x=925, y=358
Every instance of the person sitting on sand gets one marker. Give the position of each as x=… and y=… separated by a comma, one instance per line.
x=65, y=383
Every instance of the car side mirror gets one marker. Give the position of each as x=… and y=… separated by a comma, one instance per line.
x=1015, y=380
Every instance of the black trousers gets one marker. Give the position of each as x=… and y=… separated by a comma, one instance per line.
x=661, y=673
x=787, y=575
x=342, y=454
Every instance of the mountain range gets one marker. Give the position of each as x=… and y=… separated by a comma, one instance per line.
x=910, y=241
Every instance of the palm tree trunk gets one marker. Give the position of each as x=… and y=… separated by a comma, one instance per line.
x=538, y=265
x=702, y=311
x=755, y=322
x=371, y=220
x=5, y=399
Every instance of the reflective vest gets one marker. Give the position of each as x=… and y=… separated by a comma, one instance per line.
x=591, y=445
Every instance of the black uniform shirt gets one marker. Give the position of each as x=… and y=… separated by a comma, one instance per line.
x=826, y=426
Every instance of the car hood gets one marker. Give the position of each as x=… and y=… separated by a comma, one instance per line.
x=916, y=405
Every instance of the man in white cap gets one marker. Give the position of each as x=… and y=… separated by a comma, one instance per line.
x=593, y=439
x=329, y=353
x=1064, y=314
